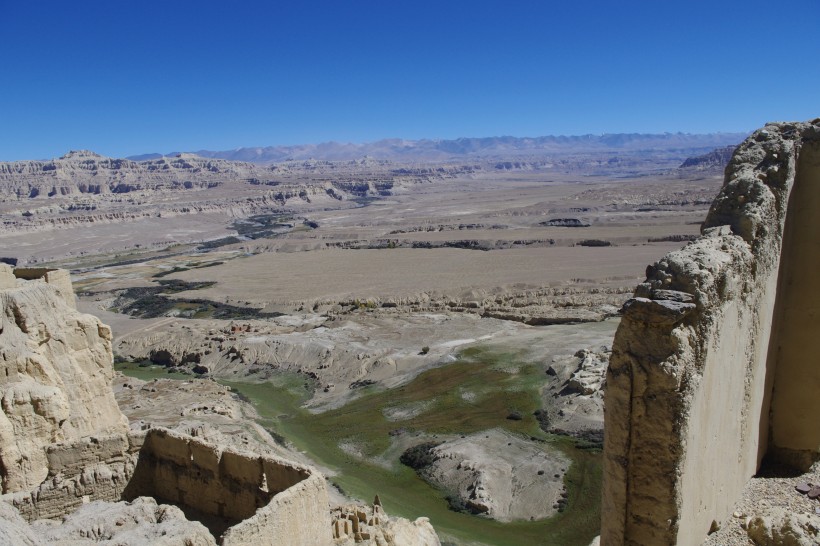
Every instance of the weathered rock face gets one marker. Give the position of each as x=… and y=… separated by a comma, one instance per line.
x=589, y=377
x=716, y=159
x=55, y=377
x=85, y=172
x=718, y=334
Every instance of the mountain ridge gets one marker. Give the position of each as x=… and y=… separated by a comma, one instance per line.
x=471, y=147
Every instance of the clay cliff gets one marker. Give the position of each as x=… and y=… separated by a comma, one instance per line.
x=87, y=172
x=55, y=383
x=716, y=159
x=711, y=368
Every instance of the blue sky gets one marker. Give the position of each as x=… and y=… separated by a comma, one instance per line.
x=125, y=77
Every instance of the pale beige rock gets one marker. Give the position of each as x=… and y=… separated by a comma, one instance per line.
x=55, y=376
x=590, y=375
x=7, y=278
x=693, y=365
x=500, y=474
x=14, y=529
x=60, y=279
x=780, y=528
x=137, y=523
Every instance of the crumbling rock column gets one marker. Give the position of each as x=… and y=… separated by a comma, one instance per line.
x=56, y=368
x=716, y=336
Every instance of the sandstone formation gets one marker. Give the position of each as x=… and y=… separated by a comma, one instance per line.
x=55, y=381
x=83, y=188
x=716, y=159
x=575, y=388
x=715, y=342
x=589, y=376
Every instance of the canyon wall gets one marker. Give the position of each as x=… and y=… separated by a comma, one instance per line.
x=714, y=342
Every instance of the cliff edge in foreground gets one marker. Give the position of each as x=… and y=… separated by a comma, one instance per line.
x=713, y=365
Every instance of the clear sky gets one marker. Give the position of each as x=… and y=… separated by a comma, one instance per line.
x=124, y=77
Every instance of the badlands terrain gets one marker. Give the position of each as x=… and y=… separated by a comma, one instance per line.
x=435, y=332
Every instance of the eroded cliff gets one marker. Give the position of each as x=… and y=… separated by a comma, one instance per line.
x=713, y=343
x=55, y=380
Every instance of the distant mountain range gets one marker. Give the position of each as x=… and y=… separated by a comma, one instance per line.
x=485, y=148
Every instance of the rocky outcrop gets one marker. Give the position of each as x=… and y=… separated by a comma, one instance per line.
x=55, y=381
x=575, y=390
x=716, y=159
x=780, y=528
x=590, y=375
x=495, y=473
x=713, y=342
x=85, y=172
x=142, y=521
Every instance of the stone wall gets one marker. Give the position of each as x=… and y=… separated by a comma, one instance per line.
x=716, y=337
x=90, y=469
x=251, y=499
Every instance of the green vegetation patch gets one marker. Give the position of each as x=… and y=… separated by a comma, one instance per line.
x=478, y=392
x=147, y=370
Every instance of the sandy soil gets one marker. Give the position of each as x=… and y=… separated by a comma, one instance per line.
x=346, y=274
x=82, y=240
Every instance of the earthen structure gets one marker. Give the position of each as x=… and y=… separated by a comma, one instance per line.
x=712, y=366
x=64, y=442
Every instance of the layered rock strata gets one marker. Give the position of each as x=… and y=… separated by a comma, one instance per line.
x=716, y=340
